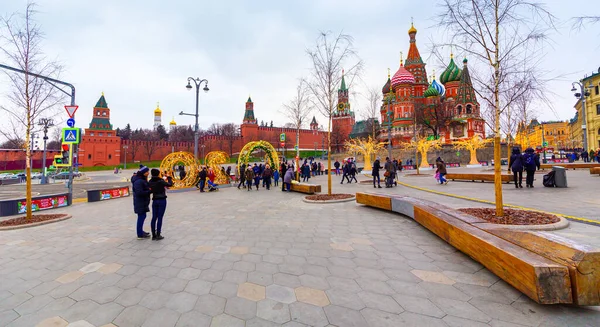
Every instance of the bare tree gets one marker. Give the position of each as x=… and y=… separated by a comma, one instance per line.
x=31, y=97
x=432, y=117
x=371, y=111
x=232, y=132
x=150, y=142
x=330, y=55
x=297, y=110
x=181, y=134
x=13, y=144
x=579, y=22
x=497, y=35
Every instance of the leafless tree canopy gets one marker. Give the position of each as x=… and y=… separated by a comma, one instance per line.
x=580, y=22
x=371, y=111
x=298, y=109
x=509, y=35
x=30, y=97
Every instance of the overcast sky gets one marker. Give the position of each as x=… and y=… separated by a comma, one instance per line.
x=141, y=52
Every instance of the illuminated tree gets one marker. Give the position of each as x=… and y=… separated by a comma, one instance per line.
x=423, y=145
x=367, y=147
x=472, y=145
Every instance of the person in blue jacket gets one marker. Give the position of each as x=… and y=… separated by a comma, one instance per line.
x=531, y=162
x=256, y=170
x=141, y=200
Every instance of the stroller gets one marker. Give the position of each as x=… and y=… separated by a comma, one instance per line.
x=212, y=187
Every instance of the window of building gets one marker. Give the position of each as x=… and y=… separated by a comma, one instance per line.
x=104, y=113
x=598, y=109
x=108, y=134
x=98, y=113
x=91, y=133
x=598, y=131
x=469, y=109
x=89, y=156
x=459, y=110
x=596, y=88
x=99, y=134
x=109, y=156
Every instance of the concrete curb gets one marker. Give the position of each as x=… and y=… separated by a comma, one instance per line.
x=329, y=201
x=563, y=223
x=36, y=224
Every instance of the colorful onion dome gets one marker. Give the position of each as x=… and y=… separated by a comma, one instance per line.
x=438, y=87
x=402, y=76
x=412, y=29
x=452, y=72
x=431, y=92
x=387, y=86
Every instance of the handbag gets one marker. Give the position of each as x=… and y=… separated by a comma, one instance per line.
x=386, y=174
x=437, y=176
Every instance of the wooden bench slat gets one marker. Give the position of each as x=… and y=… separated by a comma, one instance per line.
x=374, y=200
x=478, y=177
x=541, y=279
x=582, y=261
x=595, y=170
x=571, y=165
x=306, y=188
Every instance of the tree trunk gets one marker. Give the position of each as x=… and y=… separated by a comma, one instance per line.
x=497, y=148
x=329, y=154
x=298, y=153
x=28, y=148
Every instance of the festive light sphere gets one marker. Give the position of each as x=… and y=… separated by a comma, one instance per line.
x=171, y=164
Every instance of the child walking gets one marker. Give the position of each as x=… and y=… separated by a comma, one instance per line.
x=158, y=187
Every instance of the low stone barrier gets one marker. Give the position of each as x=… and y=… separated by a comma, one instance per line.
x=595, y=171
x=547, y=268
x=38, y=203
x=107, y=193
x=478, y=177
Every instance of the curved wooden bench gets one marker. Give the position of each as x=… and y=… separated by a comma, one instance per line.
x=583, y=165
x=306, y=188
x=547, y=268
x=478, y=177
x=595, y=170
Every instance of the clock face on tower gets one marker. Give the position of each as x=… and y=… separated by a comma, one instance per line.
x=341, y=106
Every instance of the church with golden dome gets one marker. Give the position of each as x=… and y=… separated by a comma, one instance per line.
x=447, y=109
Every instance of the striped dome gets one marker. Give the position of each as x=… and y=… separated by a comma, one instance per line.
x=402, y=76
x=452, y=72
x=439, y=87
x=431, y=92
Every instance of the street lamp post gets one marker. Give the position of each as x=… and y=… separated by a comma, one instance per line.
x=202, y=146
x=45, y=123
x=543, y=143
x=583, y=92
x=198, y=82
x=125, y=147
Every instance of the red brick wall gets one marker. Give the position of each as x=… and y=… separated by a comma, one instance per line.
x=15, y=159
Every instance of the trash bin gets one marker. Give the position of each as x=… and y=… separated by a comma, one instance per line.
x=560, y=176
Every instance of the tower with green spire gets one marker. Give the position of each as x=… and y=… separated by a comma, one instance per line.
x=343, y=118
x=343, y=106
x=249, y=113
x=101, y=116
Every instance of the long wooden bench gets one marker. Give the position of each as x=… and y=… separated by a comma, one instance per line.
x=583, y=165
x=595, y=170
x=306, y=188
x=541, y=278
x=478, y=177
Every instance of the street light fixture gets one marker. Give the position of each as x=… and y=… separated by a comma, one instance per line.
x=198, y=82
x=582, y=95
x=45, y=123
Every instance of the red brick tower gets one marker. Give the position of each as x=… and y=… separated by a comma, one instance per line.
x=343, y=118
x=415, y=65
x=249, y=127
x=100, y=146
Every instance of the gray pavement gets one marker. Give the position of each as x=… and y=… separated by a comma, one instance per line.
x=260, y=258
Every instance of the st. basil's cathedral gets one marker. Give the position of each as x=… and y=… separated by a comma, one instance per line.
x=452, y=101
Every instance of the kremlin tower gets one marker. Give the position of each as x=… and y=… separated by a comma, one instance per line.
x=172, y=124
x=157, y=116
x=343, y=118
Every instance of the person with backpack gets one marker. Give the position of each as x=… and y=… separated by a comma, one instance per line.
x=158, y=188
x=530, y=162
x=516, y=165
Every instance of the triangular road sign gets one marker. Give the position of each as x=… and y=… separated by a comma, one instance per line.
x=71, y=110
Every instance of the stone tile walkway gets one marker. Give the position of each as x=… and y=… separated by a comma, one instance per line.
x=260, y=258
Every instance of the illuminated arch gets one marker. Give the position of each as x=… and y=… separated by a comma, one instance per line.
x=271, y=156
x=214, y=159
x=186, y=160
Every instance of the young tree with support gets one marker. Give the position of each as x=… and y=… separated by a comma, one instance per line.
x=32, y=97
x=330, y=55
x=503, y=38
x=472, y=145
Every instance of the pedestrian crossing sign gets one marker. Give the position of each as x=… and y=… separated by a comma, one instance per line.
x=71, y=135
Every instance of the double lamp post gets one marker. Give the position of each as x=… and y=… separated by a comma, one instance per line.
x=198, y=82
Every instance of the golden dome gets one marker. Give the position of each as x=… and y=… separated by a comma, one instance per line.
x=412, y=29
x=173, y=123
x=157, y=110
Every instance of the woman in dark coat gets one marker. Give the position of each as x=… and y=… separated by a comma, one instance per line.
x=530, y=162
x=141, y=200
x=158, y=187
x=516, y=165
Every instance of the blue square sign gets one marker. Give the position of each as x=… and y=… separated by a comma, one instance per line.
x=71, y=135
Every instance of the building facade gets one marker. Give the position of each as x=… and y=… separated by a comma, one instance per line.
x=592, y=110
x=556, y=134
x=100, y=145
x=410, y=101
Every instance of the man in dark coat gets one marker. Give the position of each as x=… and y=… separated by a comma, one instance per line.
x=266, y=175
x=158, y=187
x=141, y=200
x=242, y=175
x=345, y=172
x=516, y=165
x=282, y=171
x=530, y=162
x=203, y=174
x=375, y=173
x=337, y=167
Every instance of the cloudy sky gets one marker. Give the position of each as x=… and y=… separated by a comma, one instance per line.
x=141, y=52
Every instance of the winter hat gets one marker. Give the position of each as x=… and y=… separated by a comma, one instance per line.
x=378, y=158
x=141, y=166
x=154, y=172
x=143, y=169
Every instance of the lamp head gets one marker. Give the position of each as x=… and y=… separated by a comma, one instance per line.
x=189, y=86
x=577, y=95
x=181, y=113
x=205, y=88
x=573, y=89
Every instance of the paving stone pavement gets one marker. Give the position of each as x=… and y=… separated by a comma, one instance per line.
x=260, y=258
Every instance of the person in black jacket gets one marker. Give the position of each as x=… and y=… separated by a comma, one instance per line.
x=516, y=165
x=203, y=174
x=531, y=161
x=375, y=173
x=159, y=201
x=141, y=200
x=242, y=175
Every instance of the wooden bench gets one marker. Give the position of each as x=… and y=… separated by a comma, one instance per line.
x=542, y=279
x=595, y=170
x=478, y=177
x=583, y=165
x=306, y=188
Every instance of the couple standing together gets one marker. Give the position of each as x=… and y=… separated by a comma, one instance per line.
x=142, y=189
